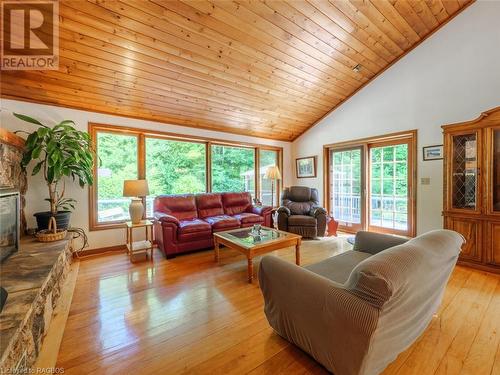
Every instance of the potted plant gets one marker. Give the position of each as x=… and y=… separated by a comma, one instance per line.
x=59, y=152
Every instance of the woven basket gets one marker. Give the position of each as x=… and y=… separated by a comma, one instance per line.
x=51, y=234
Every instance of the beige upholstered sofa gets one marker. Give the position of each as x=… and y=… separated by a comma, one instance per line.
x=355, y=312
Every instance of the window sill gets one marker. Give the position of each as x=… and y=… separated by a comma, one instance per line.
x=105, y=226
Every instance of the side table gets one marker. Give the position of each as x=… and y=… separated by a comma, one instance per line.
x=139, y=249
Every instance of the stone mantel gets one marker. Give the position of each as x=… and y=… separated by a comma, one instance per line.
x=33, y=277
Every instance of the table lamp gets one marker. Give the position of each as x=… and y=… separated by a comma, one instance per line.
x=273, y=174
x=135, y=189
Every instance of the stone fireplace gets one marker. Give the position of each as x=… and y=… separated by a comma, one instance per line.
x=11, y=175
x=33, y=276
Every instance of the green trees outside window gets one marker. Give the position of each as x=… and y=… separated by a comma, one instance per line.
x=118, y=155
x=174, y=167
x=233, y=169
x=389, y=186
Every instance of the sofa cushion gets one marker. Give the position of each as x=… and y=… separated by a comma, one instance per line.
x=301, y=221
x=209, y=205
x=193, y=226
x=222, y=222
x=249, y=218
x=183, y=207
x=339, y=267
x=236, y=203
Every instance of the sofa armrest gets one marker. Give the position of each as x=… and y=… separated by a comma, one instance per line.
x=259, y=210
x=316, y=314
x=165, y=218
x=373, y=243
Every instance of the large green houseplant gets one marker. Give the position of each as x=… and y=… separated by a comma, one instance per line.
x=59, y=152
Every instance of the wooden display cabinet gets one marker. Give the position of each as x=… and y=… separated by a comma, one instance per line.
x=472, y=188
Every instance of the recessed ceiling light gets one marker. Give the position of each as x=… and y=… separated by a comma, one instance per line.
x=357, y=68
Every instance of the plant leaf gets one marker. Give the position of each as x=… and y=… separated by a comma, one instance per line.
x=28, y=119
x=37, y=167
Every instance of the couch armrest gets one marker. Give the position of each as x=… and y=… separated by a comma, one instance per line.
x=165, y=218
x=259, y=210
x=373, y=243
x=318, y=315
x=316, y=211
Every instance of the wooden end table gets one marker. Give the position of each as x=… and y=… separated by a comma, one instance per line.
x=241, y=239
x=136, y=248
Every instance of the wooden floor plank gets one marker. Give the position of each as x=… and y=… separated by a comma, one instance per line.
x=453, y=361
x=442, y=330
x=191, y=315
x=481, y=356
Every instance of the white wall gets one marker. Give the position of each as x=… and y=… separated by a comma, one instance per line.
x=453, y=76
x=37, y=190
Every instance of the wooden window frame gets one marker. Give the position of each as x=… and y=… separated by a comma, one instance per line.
x=409, y=137
x=142, y=134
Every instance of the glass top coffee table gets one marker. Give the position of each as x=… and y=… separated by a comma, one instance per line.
x=252, y=245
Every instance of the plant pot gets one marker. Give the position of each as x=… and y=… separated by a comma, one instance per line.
x=62, y=219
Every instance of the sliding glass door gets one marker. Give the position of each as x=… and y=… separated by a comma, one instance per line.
x=346, y=187
x=370, y=185
x=389, y=198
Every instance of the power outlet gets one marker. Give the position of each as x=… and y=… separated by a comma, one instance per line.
x=425, y=181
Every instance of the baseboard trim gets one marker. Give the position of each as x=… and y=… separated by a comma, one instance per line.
x=100, y=251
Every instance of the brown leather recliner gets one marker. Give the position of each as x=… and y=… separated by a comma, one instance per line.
x=301, y=213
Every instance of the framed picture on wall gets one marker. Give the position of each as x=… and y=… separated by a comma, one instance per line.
x=433, y=152
x=306, y=167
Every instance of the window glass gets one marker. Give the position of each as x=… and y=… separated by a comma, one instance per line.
x=118, y=162
x=389, y=186
x=346, y=186
x=174, y=167
x=233, y=169
x=268, y=158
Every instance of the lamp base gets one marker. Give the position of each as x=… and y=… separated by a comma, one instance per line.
x=136, y=210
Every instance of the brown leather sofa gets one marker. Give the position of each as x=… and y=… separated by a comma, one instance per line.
x=301, y=213
x=186, y=222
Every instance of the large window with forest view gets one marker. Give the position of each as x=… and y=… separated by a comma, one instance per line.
x=174, y=167
x=233, y=169
x=118, y=162
x=172, y=164
x=370, y=183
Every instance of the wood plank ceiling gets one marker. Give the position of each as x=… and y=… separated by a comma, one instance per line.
x=263, y=68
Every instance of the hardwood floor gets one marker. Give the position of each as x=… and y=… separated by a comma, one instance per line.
x=190, y=315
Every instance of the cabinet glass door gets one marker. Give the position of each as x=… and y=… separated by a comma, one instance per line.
x=465, y=171
x=496, y=171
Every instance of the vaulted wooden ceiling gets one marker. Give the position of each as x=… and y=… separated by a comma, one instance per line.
x=264, y=68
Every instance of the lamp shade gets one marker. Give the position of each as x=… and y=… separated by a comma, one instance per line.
x=273, y=173
x=135, y=188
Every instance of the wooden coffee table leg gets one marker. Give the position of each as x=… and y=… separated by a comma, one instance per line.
x=250, y=270
x=297, y=253
x=216, y=250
